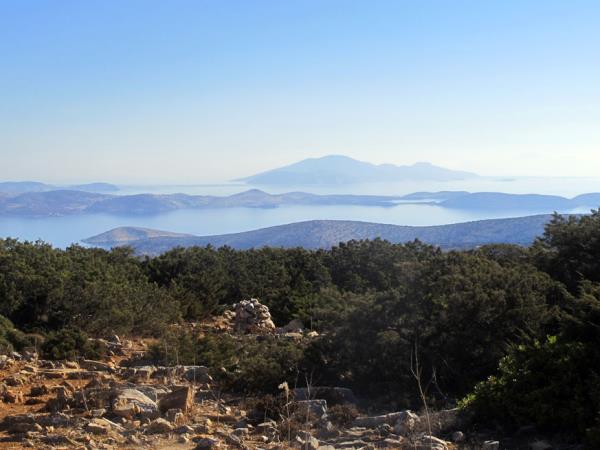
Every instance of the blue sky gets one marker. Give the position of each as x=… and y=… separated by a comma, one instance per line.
x=201, y=91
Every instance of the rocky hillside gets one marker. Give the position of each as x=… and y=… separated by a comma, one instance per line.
x=327, y=233
x=127, y=401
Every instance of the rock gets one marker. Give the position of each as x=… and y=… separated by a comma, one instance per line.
x=490, y=445
x=334, y=395
x=197, y=374
x=252, y=317
x=159, y=426
x=131, y=402
x=458, y=436
x=406, y=423
x=15, y=380
x=241, y=432
x=63, y=399
x=430, y=443
x=89, y=364
x=98, y=426
x=318, y=408
x=394, y=443
x=206, y=443
x=141, y=374
x=13, y=397
x=184, y=429
x=39, y=390
x=98, y=412
x=58, y=439
x=233, y=440
x=181, y=398
x=175, y=416
x=307, y=441
x=540, y=445
x=293, y=326
x=375, y=421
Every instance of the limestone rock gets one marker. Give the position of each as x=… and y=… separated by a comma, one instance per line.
x=159, y=426
x=406, y=423
x=181, y=398
x=490, y=445
x=131, y=402
x=206, y=444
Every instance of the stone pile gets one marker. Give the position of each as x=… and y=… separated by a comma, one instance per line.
x=251, y=316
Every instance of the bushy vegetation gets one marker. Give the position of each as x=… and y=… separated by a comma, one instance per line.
x=70, y=344
x=12, y=339
x=512, y=331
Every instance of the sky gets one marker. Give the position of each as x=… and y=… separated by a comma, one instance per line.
x=148, y=91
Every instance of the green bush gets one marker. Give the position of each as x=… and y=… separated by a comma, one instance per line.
x=245, y=365
x=180, y=346
x=552, y=384
x=71, y=344
x=11, y=338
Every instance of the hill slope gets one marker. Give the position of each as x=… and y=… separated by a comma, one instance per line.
x=123, y=235
x=337, y=169
x=62, y=202
x=327, y=233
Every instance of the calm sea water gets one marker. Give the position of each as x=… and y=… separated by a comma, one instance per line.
x=63, y=231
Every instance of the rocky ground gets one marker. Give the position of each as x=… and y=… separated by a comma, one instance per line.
x=122, y=403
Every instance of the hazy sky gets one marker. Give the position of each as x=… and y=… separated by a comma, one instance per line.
x=199, y=91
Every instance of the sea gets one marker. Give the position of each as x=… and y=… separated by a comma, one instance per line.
x=63, y=231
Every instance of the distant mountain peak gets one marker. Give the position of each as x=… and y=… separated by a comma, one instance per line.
x=341, y=169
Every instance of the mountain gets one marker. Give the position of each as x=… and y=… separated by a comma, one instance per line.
x=316, y=234
x=77, y=202
x=50, y=203
x=63, y=202
x=131, y=234
x=17, y=187
x=337, y=169
x=498, y=201
x=95, y=187
x=21, y=187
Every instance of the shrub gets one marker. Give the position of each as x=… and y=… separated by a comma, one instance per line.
x=11, y=338
x=551, y=384
x=71, y=344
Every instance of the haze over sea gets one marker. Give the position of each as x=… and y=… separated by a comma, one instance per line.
x=65, y=230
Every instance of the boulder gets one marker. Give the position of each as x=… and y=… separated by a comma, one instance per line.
x=430, y=443
x=293, y=326
x=98, y=426
x=159, y=426
x=375, y=421
x=406, y=423
x=198, y=374
x=307, y=441
x=317, y=408
x=13, y=397
x=131, y=402
x=206, y=443
x=458, y=436
x=181, y=398
x=39, y=390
